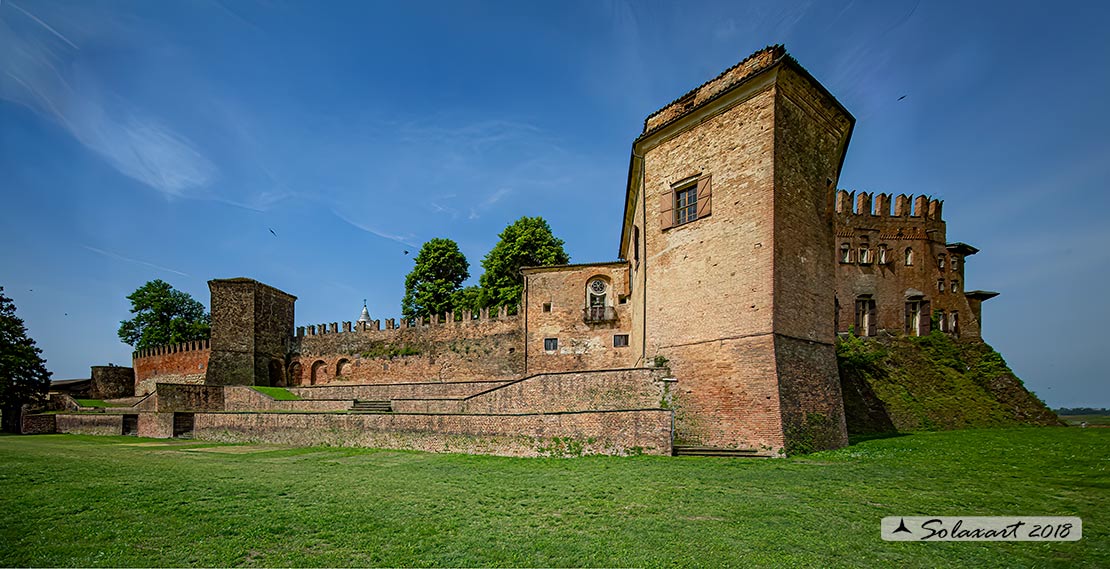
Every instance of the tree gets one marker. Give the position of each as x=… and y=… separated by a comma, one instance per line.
x=527, y=242
x=23, y=375
x=163, y=316
x=431, y=286
x=472, y=298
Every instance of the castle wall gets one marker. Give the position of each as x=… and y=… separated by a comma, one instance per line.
x=617, y=389
x=178, y=363
x=238, y=398
x=708, y=302
x=251, y=327
x=89, y=424
x=471, y=350
x=382, y=392
x=556, y=306
x=867, y=221
x=603, y=432
x=111, y=382
x=811, y=137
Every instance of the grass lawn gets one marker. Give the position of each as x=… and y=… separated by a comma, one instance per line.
x=98, y=403
x=278, y=393
x=121, y=501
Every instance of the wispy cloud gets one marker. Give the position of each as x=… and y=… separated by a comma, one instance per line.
x=47, y=76
x=119, y=257
x=405, y=239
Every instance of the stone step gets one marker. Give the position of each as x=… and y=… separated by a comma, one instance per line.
x=372, y=406
x=688, y=450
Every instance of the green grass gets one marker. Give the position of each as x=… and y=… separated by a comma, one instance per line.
x=278, y=393
x=105, y=501
x=98, y=403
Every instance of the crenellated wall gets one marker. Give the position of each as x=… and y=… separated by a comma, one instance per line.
x=434, y=350
x=177, y=363
x=893, y=249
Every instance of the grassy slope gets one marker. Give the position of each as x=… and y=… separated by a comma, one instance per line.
x=108, y=501
x=278, y=393
x=932, y=382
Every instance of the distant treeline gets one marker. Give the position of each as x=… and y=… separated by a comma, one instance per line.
x=1081, y=411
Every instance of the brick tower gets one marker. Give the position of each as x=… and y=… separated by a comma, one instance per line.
x=728, y=229
x=252, y=324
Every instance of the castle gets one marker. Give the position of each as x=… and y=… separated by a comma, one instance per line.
x=739, y=262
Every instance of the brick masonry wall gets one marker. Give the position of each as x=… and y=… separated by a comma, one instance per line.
x=562, y=392
x=554, y=302
x=811, y=137
x=238, y=398
x=182, y=363
x=453, y=351
x=180, y=397
x=382, y=392
x=618, y=432
x=38, y=424
x=866, y=220
x=111, y=382
x=708, y=285
x=156, y=425
x=90, y=424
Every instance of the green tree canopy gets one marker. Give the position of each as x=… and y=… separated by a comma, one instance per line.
x=527, y=242
x=23, y=375
x=163, y=316
x=433, y=283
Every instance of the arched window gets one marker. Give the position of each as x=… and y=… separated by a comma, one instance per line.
x=909, y=256
x=295, y=374
x=319, y=373
x=598, y=307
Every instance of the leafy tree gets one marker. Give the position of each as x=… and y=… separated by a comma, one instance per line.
x=23, y=375
x=163, y=316
x=527, y=242
x=433, y=283
x=472, y=298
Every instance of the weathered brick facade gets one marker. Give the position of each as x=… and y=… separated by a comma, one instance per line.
x=715, y=327
x=178, y=363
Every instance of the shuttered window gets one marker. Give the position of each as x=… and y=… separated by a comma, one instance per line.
x=686, y=203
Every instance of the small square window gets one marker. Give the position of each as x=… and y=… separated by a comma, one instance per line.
x=547, y=307
x=623, y=299
x=940, y=285
x=550, y=344
x=955, y=286
x=940, y=261
x=620, y=341
x=955, y=262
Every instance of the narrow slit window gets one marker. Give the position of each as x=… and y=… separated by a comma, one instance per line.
x=845, y=253
x=909, y=257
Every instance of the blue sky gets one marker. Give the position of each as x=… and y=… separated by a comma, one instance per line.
x=144, y=140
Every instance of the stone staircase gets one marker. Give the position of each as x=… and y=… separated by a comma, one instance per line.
x=368, y=406
x=685, y=450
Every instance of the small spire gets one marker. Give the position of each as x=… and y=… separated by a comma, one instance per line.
x=365, y=317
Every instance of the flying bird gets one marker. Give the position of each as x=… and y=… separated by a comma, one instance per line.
x=272, y=231
x=406, y=252
x=902, y=97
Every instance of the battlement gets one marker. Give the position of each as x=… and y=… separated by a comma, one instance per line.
x=468, y=318
x=193, y=346
x=879, y=205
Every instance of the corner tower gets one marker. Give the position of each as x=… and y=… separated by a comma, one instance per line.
x=728, y=226
x=252, y=324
